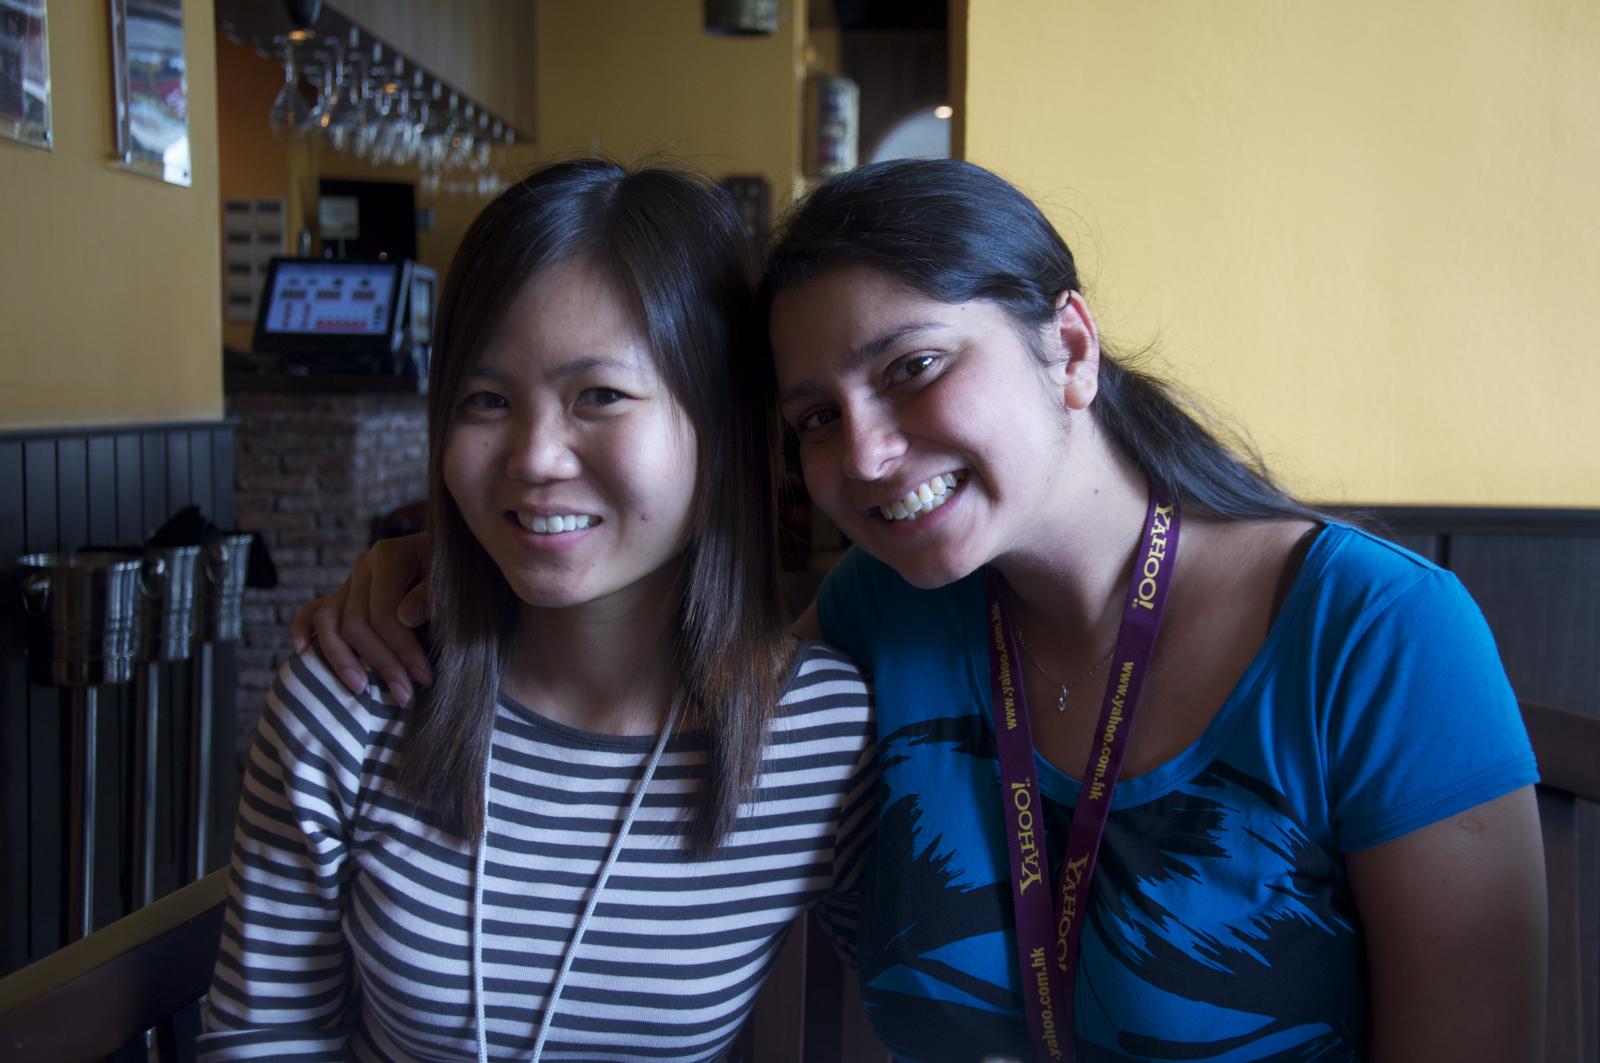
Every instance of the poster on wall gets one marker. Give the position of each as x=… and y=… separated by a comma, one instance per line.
x=24, y=72
x=152, y=88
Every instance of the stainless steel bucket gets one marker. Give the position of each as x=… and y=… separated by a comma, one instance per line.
x=171, y=608
x=227, y=561
x=88, y=603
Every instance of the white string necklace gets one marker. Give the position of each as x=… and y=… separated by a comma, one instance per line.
x=588, y=907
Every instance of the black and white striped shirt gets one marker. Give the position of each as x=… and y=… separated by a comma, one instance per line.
x=348, y=919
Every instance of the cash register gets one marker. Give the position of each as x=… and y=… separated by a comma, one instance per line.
x=347, y=316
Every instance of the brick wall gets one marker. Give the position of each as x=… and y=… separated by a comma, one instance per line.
x=312, y=472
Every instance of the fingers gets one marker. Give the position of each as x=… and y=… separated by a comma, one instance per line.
x=356, y=628
x=366, y=623
x=300, y=629
x=397, y=602
x=413, y=610
x=325, y=614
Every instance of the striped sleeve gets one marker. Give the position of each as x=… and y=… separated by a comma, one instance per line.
x=838, y=910
x=281, y=988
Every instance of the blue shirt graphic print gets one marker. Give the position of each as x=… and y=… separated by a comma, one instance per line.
x=1220, y=924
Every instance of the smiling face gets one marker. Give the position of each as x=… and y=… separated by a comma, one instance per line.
x=929, y=432
x=569, y=458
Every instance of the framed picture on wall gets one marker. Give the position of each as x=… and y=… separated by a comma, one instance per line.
x=25, y=72
x=152, y=88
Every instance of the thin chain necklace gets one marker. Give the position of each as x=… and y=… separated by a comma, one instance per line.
x=1066, y=690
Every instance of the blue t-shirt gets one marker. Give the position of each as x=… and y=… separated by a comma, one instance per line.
x=1221, y=924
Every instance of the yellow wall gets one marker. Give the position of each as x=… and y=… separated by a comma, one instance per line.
x=251, y=162
x=634, y=78
x=1368, y=231
x=109, y=281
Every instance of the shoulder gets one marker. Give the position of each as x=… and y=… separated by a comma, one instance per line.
x=1364, y=605
x=824, y=681
x=310, y=713
x=826, y=706
x=1418, y=717
x=1360, y=580
x=865, y=608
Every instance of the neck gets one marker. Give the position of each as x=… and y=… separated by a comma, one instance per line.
x=605, y=666
x=1069, y=579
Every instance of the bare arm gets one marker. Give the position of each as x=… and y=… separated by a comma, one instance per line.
x=1454, y=916
x=368, y=621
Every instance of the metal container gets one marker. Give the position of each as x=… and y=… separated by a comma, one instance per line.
x=88, y=607
x=227, y=561
x=171, y=607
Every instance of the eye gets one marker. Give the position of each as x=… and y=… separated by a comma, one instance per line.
x=601, y=396
x=816, y=420
x=912, y=365
x=484, y=400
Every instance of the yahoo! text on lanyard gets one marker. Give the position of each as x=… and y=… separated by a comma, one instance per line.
x=1047, y=935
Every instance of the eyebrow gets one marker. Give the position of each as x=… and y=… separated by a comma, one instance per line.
x=855, y=359
x=562, y=371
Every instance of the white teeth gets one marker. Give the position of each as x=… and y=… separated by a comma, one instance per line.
x=928, y=496
x=565, y=522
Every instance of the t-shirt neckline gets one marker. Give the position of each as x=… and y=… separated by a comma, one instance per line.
x=1061, y=787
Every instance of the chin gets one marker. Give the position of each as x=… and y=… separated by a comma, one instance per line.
x=928, y=578
x=546, y=597
x=542, y=593
x=923, y=572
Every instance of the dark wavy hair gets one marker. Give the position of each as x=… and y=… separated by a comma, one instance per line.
x=673, y=246
x=956, y=232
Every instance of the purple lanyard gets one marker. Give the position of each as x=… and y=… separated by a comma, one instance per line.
x=1047, y=938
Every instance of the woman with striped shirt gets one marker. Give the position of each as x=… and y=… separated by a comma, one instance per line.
x=586, y=838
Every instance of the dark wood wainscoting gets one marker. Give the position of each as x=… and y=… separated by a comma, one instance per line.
x=61, y=490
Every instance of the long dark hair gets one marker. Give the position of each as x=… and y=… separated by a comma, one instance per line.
x=955, y=232
x=673, y=245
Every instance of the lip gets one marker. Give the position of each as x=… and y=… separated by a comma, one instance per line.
x=547, y=542
x=874, y=509
x=928, y=520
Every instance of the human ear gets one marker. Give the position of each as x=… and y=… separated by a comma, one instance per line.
x=1080, y=346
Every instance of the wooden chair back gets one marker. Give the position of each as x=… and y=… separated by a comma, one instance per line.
x=96, y=998
x=1568, y=747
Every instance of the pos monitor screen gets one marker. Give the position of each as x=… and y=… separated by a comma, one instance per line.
x=337, y=315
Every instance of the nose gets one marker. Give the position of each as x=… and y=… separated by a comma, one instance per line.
x=872, y=445
x=541, y=450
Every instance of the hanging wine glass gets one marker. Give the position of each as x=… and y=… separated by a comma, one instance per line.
x=440, y=129
x=289, y=107
x=349, y=109
x=376, y=105
x=320, y=118
x=479, y=163
x=463, y=136
x=396, y=139
x=505, y=136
